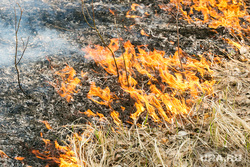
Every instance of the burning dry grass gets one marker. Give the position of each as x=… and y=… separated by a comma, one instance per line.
x=231, y=14
x=68, y=84
x=217, y=135
x=3, y=155
x=155, y=82
x=221, y=134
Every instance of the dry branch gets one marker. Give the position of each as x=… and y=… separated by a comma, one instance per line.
x=17, y=26
x=95, y=28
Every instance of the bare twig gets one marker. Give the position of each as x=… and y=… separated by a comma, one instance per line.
x=95, y=28
x=122, y=54
x=17, y=26
x=24, y=49
x=178, y=38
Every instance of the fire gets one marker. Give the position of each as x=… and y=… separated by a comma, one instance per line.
x=233, y=43
x=56, y=154
x=3, y=155
x=115, y=115
x=166, y=90
x=68, y=84
x=133, y=8
x=144, y=33
x=109, y=66
x=226, y=13
x=46, y=124
x=112, y=12
x=19, y=158
x=90, y=113
x=65, y=157
x=104, y=94
x=170, y=91
x=231, y=14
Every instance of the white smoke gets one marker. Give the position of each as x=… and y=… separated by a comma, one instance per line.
x=43, y=41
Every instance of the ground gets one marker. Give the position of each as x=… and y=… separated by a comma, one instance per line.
x=219, y=124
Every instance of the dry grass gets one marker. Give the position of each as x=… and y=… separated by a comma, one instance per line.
x=219, y=130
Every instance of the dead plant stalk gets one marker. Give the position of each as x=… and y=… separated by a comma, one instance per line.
x=97, y=31
x=17, y=26
x=178, y=33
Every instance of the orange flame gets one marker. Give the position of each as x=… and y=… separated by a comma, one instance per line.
x=226, y=13
x=165, y=101
x=89, y=113
x=46, y=124
x=231, y=14
x=144, y=33
x=104, y=94
x=133, y=8
x=19, y=158
x=115, y=115
x=3, y=155
x=68, y=84
x=100, y=115
x=112, y=12
x=57, y=154
x=235, y=44
x=167, y=91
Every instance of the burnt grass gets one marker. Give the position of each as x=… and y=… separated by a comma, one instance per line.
x=21, y=117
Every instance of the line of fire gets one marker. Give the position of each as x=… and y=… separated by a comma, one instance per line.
x=128, y=83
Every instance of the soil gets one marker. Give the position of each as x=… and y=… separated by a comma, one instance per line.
x=21, y=117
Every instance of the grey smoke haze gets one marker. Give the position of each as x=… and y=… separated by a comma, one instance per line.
x=43, y=41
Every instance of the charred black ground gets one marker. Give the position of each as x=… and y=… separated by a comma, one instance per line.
x=20, y=117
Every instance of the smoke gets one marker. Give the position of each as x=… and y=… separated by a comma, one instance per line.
x=43, y=41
